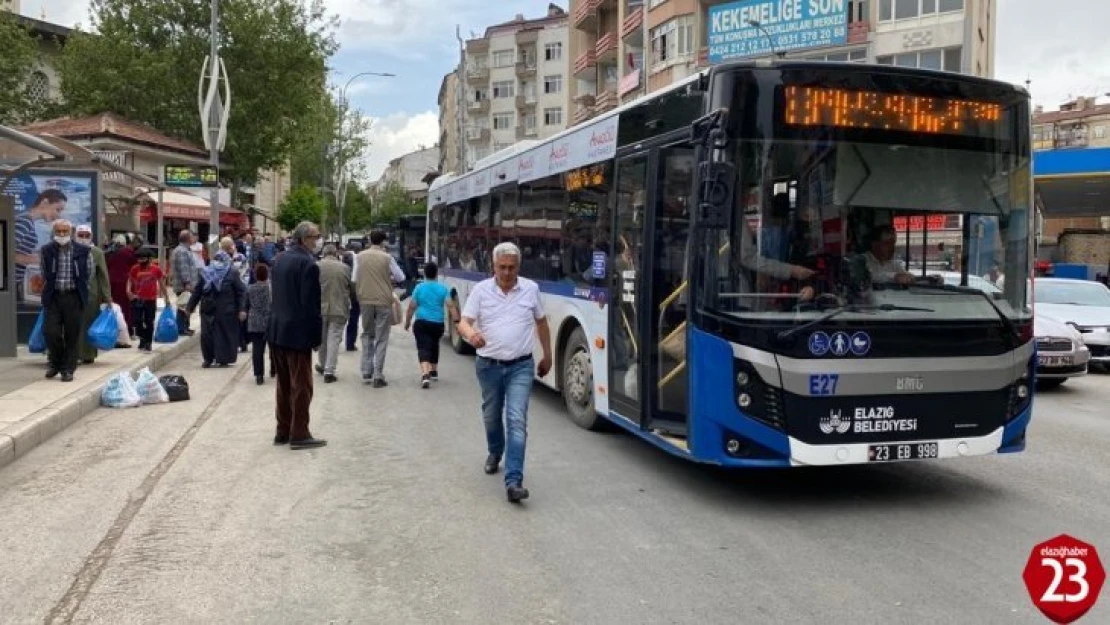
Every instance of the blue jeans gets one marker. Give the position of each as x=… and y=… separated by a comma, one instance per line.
x=506, y=388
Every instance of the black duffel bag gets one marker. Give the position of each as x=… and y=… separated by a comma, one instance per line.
x=176, y=387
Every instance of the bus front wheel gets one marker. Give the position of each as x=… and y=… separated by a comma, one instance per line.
x=578, y=382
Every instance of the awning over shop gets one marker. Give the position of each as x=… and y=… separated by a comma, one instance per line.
x=187, y=207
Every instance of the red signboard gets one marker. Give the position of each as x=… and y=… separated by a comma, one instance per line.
x=939, y=221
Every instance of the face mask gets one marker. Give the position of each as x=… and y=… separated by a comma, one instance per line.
x=61, y=240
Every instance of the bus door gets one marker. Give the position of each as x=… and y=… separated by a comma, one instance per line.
x=647, y=364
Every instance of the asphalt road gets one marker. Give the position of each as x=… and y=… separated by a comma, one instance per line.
x=187, y=514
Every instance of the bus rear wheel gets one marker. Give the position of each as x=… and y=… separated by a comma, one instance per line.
x=578, y=382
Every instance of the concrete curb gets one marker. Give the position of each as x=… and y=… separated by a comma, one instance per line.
x=17, y=439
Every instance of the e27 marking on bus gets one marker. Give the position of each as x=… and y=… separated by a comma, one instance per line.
x=823, y=383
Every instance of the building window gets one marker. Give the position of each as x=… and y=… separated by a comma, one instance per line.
x=654, y=3
x=553, y=51
x=553, y=116
x=503, y=58
x=480, y=94
x=528, y=57
x=909, y=9
x=552, y=84
x=38, y=87
x=502, y=89
x=503, y=121
x=528, y=120
x=858, y=55
x=948, y=59
x=1100, y=132
x=672, y=40
x=528, y=89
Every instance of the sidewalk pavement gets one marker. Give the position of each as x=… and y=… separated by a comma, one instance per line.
x=32, y=408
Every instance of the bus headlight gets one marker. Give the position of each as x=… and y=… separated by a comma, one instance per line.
x=743, y=379
x=745, y=400
x=1022, y=390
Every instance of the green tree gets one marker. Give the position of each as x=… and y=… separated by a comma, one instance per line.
x=144, y=57
x=18, y=52
x=358, y=212
x=304, y=203
x=326, y=142
x=390, y=202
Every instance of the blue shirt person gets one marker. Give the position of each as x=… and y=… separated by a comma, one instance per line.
x=429, y=301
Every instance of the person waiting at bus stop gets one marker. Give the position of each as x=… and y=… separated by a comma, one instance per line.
x=502, y=318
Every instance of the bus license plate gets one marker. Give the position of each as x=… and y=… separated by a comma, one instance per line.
x=902, y=451
x=1053, y=361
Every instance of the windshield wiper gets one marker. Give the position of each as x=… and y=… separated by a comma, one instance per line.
x=952, y=288
x=785, y=334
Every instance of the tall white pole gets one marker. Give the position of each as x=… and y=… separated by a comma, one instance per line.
x=214, y=115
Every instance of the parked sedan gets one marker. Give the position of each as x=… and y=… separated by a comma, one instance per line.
x=1061, y=353
x=1082, y=304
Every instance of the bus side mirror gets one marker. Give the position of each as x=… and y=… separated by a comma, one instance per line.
x=715, y=195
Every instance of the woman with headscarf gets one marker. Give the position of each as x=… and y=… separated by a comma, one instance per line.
x=99, y=293
x=222, y=298
x=238, y=264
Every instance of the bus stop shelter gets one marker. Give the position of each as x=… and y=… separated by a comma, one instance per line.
x=23, y=152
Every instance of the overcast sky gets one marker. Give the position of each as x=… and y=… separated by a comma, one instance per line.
x=1064, y=54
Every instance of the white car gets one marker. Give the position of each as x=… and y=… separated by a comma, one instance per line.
x=1061, y=349
x=1082, y=304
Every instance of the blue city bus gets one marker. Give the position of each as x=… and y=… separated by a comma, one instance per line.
x=717, y=262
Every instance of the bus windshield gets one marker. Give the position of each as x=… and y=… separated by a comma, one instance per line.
x=896, y=224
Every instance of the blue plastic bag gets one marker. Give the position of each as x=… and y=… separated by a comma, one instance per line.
x=165, y=331
x=104, y=330
x=36, y=344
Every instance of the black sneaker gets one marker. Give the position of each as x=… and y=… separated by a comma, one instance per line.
x=434, y=375
x=491, y=464
x=516, y=493
x=425, y=381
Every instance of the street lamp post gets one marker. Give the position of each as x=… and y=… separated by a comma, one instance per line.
x=770, y=42
x=341, y=182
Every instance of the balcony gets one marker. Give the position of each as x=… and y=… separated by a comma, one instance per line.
x=525, y=69
x=585, y=64
x=478, y=106
x=527, y=37
x=477, y=46
x=857, y=32
x=477, y=135
x=525, y=101
x=477, y=74
x=632, y=29
x=581, y=114
x=606, y=48
x=525, y=132
x=584, y=16
x=607, y=101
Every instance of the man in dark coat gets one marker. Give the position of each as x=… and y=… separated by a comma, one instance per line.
x=66, y=268
x=295, y=331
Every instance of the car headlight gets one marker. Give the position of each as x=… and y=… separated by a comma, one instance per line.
x=1079, y=341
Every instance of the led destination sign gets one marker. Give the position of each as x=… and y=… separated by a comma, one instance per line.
x=203, y=176
x=900, y=112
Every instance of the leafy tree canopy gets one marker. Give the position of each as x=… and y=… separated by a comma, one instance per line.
x=144, y=60
x=18, y=53
x=304, y=203
x=390, y=202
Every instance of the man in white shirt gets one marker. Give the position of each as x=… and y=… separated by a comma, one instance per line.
x=881, y=263
x=501, y=319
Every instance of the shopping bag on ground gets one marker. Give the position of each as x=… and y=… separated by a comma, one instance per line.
x=176, y=387
x=36, y=344
x=165, y=331
x=150, y=389
x=120, y=392
x=123, y=336
x=104, y=330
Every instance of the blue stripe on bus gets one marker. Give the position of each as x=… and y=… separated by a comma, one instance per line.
x=564, y=289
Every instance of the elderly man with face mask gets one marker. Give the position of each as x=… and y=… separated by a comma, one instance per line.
x=100, y=293
x=67, y=268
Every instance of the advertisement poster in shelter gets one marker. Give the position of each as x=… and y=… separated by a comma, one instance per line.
x=40, y=197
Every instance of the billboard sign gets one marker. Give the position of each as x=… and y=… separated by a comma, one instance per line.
x=789, y=25
x=39, y=198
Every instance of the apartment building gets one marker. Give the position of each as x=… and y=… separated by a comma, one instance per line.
x=450, y=155
x=516, y=84
x=1079, y=123
x=623, y=49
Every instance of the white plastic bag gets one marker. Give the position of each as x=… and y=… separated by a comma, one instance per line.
x=120, y=392
x=150, y=389
x=124, y=336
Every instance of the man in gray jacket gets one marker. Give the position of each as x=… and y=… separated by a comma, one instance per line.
x=335, y=306
x=376, y=272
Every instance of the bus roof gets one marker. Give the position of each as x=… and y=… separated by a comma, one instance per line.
x=596, y=140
